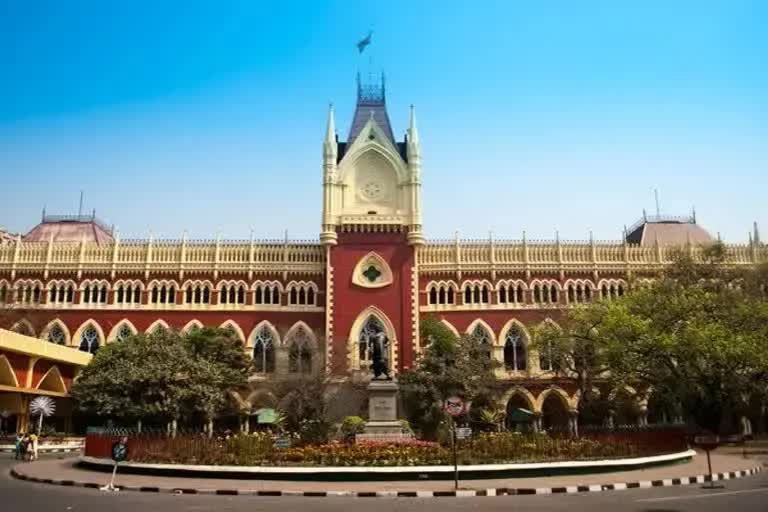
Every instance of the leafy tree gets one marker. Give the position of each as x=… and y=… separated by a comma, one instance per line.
x=697, y=337
x=449, y=366
x=163, y=375
x=144, y=376
x=222, y=367
x=303, y=401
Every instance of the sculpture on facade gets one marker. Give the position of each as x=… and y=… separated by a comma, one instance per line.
x=378, y=345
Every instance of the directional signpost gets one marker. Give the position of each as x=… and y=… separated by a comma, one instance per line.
x=455, y=407
x=708, y=443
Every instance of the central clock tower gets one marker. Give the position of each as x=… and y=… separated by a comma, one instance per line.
x=371, y=228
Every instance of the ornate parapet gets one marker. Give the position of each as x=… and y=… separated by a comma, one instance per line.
x=469, y=256
x=163, y=256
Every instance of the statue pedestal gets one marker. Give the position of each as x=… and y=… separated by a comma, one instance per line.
x=382, y=410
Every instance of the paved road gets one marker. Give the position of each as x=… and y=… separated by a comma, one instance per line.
x=744, y=495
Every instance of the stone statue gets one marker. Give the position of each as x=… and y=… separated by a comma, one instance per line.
x=378, y=344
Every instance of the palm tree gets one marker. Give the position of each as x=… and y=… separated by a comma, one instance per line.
x=493, y=416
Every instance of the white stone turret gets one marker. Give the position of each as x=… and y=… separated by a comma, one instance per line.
x=413, y=152
x=330, y=157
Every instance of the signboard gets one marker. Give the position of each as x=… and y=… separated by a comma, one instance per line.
x=454, y=406
x=283, y=442
x=463, y=433
x=708, y=442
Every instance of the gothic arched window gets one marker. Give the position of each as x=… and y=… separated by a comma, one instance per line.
x=300, y=352
x=89, y=340
x=483, y=338
x=515, y=357
x=546, y=357
x=56, y=335
x=264, y=351
x=123, y=333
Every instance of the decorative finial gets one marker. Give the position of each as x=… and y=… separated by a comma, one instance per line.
x=330, y=131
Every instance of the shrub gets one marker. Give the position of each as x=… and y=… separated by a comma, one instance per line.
x=351, y=426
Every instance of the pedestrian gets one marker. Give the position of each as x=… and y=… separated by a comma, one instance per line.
x=19, y=448
x=25, y=448
x=33, y=441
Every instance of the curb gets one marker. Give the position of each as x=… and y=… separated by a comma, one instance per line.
x=504, y=491
x=46, y=450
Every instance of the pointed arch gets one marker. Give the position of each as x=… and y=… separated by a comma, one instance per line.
x=301, y=344
x=52, y=381
x=192, y=324
x=56, y=322
x=23, y=327
x=450, y=326
x=262, y=343
x=372, y=271
x=568, y=402
x=157, y=324
x=261, y=398
x=546, y=358
x=514, y=322
x=113, y=334
x=295, y=328
x=7, y=375
x=360, y=148
x=77, y=337
x=263, y=324
x=231, y=324
x=515, y=342
x=79, y=332
x=521, y=391
x=353, y=352
x=479, y=322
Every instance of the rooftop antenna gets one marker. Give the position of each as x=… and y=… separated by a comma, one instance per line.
x=656, y=196
x=80, y=210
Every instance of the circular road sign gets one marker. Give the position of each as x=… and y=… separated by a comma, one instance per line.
x=454, y=406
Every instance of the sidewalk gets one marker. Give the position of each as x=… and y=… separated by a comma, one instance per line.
x=728, y=463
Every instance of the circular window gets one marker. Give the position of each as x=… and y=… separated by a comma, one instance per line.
x=372, y=190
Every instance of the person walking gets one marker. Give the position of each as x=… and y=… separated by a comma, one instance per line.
x=25, y=448
x=33, y=442
x=19, y=446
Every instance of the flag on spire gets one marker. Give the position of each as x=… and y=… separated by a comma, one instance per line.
x=364, y=42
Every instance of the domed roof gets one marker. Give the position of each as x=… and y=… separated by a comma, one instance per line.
x=667, y=230
x=70, y=228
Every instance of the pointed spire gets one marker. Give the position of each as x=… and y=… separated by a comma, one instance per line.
x=413, y=132
x=330, y=131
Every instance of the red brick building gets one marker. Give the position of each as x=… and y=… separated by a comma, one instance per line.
x=309, y=306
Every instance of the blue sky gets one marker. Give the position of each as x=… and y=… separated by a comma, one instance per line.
x=533, y=116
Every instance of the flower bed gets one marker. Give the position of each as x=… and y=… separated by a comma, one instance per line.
x=259, y=450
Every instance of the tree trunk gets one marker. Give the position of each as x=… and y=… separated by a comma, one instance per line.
x=174, y=424
x=209, y=427
x=138, y=426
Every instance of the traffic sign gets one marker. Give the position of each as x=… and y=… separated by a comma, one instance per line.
x=707, y=442
x=454, y=406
